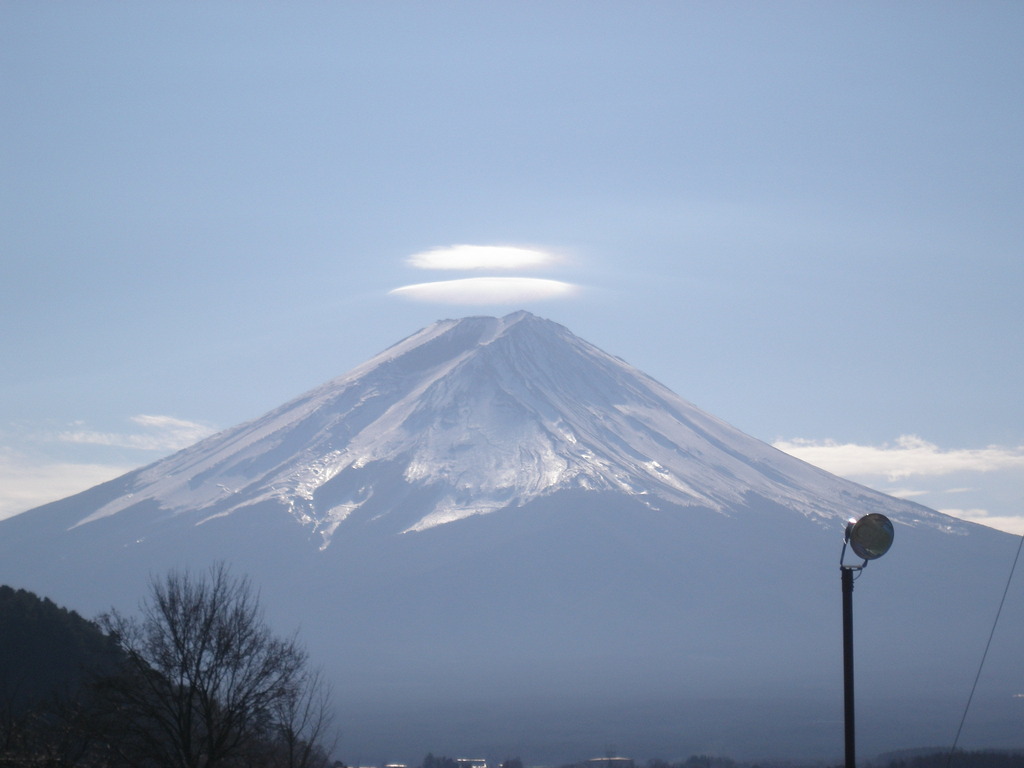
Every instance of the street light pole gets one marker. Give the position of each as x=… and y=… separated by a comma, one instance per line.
x=851, y=748
x=869, y=538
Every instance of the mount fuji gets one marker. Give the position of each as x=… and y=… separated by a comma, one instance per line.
x=502, y=540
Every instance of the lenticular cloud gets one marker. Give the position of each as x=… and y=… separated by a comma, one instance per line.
x=480, y=257
x=486, y=290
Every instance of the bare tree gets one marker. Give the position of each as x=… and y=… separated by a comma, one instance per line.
x=205, y=679
x=303, y=725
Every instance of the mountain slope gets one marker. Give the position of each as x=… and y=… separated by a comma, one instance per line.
x=475, y=416
x=500, y=539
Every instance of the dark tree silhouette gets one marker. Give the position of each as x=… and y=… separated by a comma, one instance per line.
x=303, y=721
x=206, y=683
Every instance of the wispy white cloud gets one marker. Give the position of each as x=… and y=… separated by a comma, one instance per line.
x=906, y=493
x=909, y=456
x=1007, y=523
x=481, y=257
x=487, y=290
x=916, y=464
x=25, y=483
x=160, y=433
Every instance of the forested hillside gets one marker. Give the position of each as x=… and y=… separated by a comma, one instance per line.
x=46, y=651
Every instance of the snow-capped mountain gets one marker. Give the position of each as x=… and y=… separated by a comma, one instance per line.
x=500, y=539
x=478, y=415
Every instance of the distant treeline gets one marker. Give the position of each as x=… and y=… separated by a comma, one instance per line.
x=958, y=759
x=694, y=761
x=914, y=759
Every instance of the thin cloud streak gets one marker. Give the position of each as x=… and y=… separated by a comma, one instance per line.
x=487, y=290
x=480, y=257
x=910, y=456
x=166, y=433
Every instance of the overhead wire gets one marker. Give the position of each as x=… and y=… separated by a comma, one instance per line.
x=984, y=655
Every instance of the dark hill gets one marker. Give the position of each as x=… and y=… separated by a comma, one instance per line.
x=46, y=652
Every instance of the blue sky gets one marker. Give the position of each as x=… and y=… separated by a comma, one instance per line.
x=803, y=217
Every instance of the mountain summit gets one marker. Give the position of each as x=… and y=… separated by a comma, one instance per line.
x=501, y=540
x=472, y=416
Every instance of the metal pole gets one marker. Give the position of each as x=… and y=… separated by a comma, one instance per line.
x=851, y=758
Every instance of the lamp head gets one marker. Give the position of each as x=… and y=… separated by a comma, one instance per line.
x=871, y=536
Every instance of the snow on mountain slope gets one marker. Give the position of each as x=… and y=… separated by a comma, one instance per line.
x=477, y=415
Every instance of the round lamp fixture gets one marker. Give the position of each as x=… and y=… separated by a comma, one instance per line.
x=871, y=536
